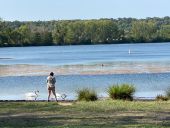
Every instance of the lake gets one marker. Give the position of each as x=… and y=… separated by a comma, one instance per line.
x=24, y=69
x=83, y=54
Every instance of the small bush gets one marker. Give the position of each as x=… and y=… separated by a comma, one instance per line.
x=123, y=91
x=161, y=97
x=168, y=93
x=87, y=95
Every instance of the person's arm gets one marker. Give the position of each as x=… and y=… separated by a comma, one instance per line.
x=47, y=80
x=54, y=80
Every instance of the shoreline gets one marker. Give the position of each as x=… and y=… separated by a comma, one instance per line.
x=63, y=101
x=36, y=101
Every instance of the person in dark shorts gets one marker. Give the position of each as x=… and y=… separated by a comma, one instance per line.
x=51, y=86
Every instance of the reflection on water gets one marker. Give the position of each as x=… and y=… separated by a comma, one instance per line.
x=147, y=85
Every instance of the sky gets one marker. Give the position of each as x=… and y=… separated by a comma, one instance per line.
x=45, y=10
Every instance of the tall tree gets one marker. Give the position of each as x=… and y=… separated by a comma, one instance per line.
x=25, y=33
x=143, y=31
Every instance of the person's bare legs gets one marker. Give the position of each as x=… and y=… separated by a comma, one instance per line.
x=53, y=91
x=49, y=94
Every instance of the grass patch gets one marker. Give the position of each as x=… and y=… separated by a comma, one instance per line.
x=87, y=95
x=101, y=113
x=123, y=91
x=161, y=97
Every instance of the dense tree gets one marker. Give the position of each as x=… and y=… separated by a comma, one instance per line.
x=47, y=38
x=143, y=31
x=25, y=34
x=164, y=32
x=76, y=32
x=59, y=33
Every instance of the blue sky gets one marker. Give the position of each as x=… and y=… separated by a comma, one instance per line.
x=33, y=10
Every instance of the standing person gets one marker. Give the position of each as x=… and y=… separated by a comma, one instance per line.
x=51, y=85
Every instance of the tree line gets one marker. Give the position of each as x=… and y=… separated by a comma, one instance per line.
x=78, y=32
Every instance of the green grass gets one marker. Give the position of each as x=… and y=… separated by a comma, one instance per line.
x=102, y=113
x=86, y=94
x=122, y=91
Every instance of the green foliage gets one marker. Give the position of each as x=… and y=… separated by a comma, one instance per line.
x=164, y=32
x=123, y=91
x=77, y=32
x=87, y=95
x=161, y=98
x=168, y=93
x=143, y=31
x=58, y=33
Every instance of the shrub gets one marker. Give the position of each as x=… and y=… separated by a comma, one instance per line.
x=168, y=93
x=161, y=97
x=123, y=91
x=87, y=95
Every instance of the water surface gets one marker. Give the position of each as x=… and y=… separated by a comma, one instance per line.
x=147, y=85
x=24, y=69
x=66, y=55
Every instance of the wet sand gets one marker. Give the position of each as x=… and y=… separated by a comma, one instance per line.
x=91, y=69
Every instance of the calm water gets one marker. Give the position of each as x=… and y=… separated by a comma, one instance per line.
x=147, y=84
x=63, y=55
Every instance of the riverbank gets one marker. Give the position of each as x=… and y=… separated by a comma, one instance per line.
x=72, y=101
x=103, y=113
